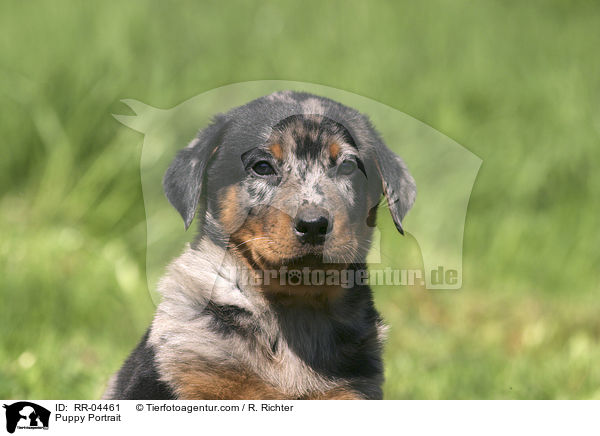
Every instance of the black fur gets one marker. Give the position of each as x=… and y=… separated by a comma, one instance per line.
x=138, y=378
x=228, y=319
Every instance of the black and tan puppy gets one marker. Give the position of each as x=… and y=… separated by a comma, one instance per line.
x=286, y=184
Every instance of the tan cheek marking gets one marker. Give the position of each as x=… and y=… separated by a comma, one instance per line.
x=279, y=224
x=250, y=236
x=243, y=239
x=334, y=150
x=229, y=208
x=276, y=151
x=276, y=226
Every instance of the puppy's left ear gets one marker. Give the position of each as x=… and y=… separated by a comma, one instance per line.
x=397, y=183
x=184, y=179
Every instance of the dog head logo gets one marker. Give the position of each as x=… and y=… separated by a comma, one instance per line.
x=26, y=415
x=315, y=206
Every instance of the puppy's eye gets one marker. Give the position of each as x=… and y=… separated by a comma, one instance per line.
x=263, y=168
x=347, y=167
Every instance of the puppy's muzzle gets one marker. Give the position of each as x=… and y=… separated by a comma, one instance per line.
x=312, y=225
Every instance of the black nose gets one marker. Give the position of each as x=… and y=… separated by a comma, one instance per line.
x=312, y=225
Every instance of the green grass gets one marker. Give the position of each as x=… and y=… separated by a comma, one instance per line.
x=517, y=84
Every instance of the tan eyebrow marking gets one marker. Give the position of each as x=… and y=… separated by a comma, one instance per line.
x=277, y=151
x=334, y=150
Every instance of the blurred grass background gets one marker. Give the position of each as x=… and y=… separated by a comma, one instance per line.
x=517, y=83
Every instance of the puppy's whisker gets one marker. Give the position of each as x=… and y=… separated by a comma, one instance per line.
x=250, y=240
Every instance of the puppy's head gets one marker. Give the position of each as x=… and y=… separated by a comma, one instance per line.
x=290, y=178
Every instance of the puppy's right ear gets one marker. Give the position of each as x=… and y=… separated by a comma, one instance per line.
x=398, y=184
x=184, y=179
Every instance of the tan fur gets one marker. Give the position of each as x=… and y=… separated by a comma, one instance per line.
x=315, y=295
x=276, y=151
x=223, y=384
x=229, y=203
x=339, y=393
x=262, y=241
x=334, y=150
x=203, y=383
x=265, y=237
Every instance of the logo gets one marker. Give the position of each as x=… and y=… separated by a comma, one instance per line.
x=444, y=171
x=26, y=415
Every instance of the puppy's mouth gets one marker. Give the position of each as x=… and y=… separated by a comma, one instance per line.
x=316, y=260
x=308, y=260
x=299, y=261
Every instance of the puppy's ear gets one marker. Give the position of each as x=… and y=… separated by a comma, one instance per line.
x=184, y=179
x=398, y=185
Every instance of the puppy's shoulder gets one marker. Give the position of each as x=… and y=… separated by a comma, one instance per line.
x=138, y=378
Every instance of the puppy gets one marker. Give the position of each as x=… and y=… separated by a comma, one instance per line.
x=286, y=190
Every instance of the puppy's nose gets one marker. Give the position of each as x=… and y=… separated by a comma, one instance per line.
x=312, y=225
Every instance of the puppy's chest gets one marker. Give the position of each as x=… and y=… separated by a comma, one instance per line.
x=289, y=371
x=289, y=359
x=249, y=357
